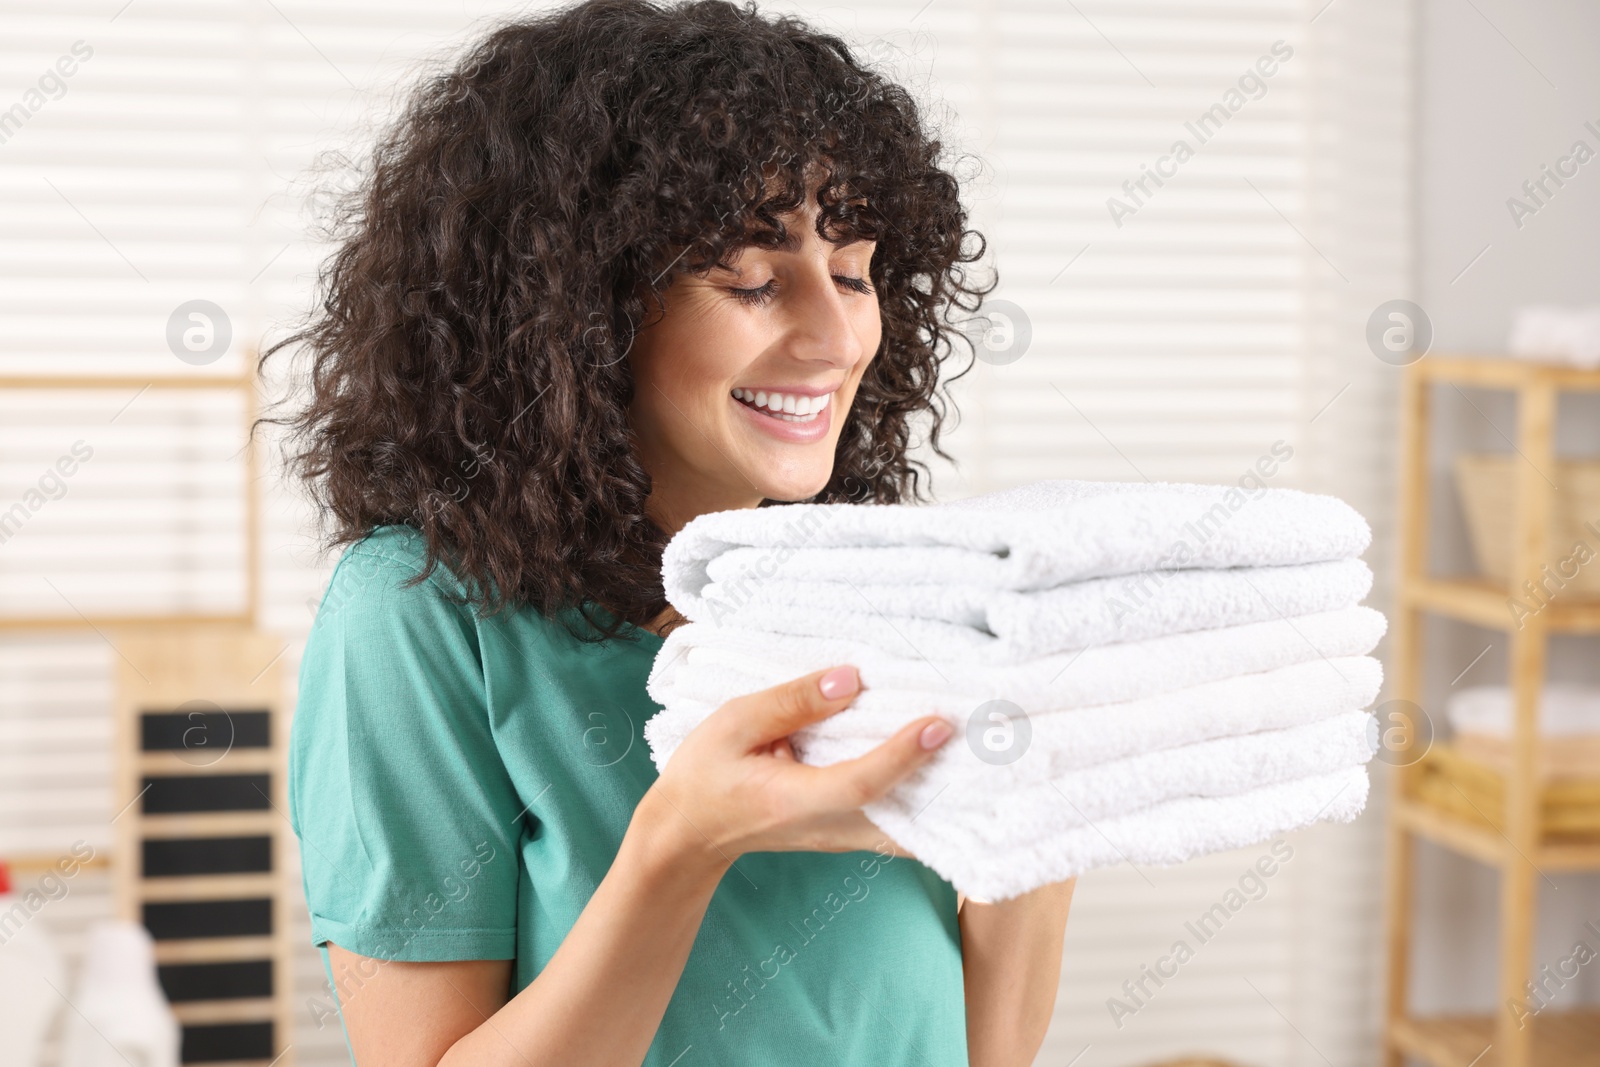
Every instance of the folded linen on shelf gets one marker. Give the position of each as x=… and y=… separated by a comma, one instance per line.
x=1565, y=710
x=1554, y=334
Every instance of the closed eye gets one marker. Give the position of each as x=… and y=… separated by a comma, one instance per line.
x=763, y=293
x=759, y=295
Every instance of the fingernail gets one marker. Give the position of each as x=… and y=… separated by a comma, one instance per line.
x=934, y=734
x=841, y=681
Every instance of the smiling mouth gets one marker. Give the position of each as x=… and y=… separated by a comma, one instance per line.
x=789, y=407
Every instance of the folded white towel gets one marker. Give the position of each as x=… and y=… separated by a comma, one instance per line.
x=1160, y=835
x=1033, y=537
x=1169, y=653
x=1073, y=738
x=1557, y=334
x=1116, y=729
x=1103, y=675
x=973, y=622
x=1564, y=710
x=1010, y=804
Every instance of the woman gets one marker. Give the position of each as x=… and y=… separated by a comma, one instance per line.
x=622, y=266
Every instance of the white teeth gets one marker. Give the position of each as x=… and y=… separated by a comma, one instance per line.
x=791, y=407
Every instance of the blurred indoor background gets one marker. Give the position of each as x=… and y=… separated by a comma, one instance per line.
x=162, y=163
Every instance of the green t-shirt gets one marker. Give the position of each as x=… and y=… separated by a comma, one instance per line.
x=460, y=785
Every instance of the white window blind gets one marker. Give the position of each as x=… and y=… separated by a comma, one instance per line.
x=1223, y=315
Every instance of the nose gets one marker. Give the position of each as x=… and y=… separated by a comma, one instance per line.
x=822, y=328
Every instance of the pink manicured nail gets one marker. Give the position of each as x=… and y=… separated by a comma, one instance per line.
x=934, y=734
x=838, y=682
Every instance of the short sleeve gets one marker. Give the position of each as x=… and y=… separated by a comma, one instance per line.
x=407, y=818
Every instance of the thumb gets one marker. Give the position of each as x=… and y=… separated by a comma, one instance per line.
x=872, y=774
x=761, y=718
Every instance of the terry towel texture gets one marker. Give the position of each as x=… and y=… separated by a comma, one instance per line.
x=1033, y=537
x=1135, y=672
x=1007, y=626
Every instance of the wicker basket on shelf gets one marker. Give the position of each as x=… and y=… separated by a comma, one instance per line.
x=1487, y=485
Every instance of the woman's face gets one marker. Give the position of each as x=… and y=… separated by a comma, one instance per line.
x=742, y=385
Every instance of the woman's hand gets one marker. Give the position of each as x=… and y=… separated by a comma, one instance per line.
x=733, y=786
x=736, y=787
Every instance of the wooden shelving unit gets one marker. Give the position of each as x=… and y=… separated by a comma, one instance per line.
x=1525, y=849
x=1462, y=1040
x=205, y=868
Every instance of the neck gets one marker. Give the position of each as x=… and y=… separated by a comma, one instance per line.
x=666, y=620
x=672, y=506
x=673, y=503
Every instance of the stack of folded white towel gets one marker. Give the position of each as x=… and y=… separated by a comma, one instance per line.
x=1139, y=672
x=1551, y=334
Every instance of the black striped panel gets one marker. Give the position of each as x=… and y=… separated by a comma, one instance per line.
x=204, y=731
x=173, y=794
x=229, y=980
x=179, y=919
x=179, y=856
x=214, y=1042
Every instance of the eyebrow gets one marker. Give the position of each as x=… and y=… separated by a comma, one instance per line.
x=791, y=243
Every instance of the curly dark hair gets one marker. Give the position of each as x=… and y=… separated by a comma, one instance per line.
x=519, y=222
